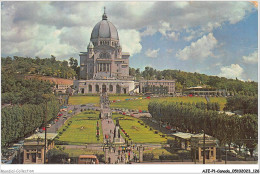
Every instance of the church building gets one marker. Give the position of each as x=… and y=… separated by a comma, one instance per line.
x=104, y=67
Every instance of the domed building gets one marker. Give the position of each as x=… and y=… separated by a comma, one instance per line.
x=104, y=58
x=104, y=67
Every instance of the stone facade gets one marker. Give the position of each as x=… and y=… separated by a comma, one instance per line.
x=104, y=58
x=104, y=67
x=109, y=86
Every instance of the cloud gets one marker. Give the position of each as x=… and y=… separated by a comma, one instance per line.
x=130, y=40
x=148, y=32
x=174, y=36
x=61, y=24
x=233, y=71
x=152, y=53
x=252, y=58
x=169, y=51
x=200, y=49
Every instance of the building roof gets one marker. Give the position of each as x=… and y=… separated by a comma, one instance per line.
x=189, y=135
x=50, y=136
x=157, y=80
x=195, y=87
x=104, y=29
x=183, y=135
x=55, y=80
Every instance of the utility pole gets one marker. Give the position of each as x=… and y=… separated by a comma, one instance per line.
x=225, y=154
x=45, y=136
x=204, y=153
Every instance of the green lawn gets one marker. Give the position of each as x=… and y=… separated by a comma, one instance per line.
x=79, y=100
x=137, y=132
x=82, y=129
x=142, y=104
x=77, y=152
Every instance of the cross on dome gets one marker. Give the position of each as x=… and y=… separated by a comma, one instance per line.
x=104, y=17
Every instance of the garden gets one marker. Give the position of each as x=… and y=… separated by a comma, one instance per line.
x=136, y=131
x=83, y=128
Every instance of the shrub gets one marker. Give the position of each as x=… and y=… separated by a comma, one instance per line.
x=169, y=157
x=100, y=157
x=56, y=156
x=148, y=156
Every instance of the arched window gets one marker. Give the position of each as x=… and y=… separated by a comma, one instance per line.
x=97, y=88
x=110, y=88
x=90, y=88
x=118, y=89
x=82, y=90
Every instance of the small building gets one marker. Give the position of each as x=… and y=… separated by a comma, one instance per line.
x=203, y=91
x=157, y=86
x=197, y=143
x=62, y=88
x=34, y=147
x=183, y=139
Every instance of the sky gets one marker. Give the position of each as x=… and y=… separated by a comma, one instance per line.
x=213, y=38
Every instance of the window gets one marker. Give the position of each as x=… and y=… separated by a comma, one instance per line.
x=110, y=88
x=104, y=56
x=97, y=88
x=90, y=88
x=39, y=155
x=28, y=156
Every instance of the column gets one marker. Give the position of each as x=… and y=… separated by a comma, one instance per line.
x=140, y=154
x=106, y=155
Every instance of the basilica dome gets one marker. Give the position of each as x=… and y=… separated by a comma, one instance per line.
x=104, y=29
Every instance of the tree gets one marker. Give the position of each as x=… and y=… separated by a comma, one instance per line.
x=56, y=156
